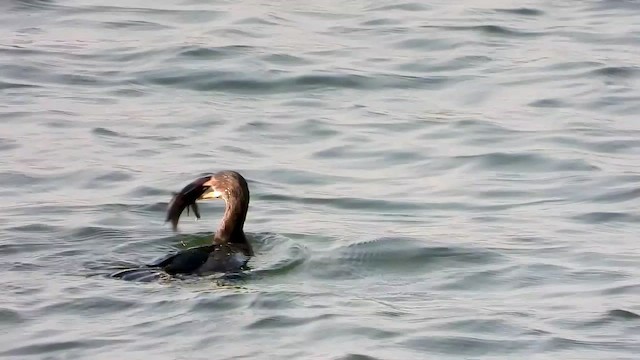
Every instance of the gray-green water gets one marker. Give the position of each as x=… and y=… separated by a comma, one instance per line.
x=442, y=180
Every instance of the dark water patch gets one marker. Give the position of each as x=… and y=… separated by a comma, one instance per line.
x=478, y=126
x=113, y=207
x=285, y=321
x=128, y=92
x=565, y=66
x=496, y=277
x=18, y=50
x=280, y=300
x=168, y=15
x=294, y=176
x=24, y=289
x=600, y=217
x=621, y=289
x=105, y=132
x=33, y=5
x=480, y=325
x=565, y=344
x=23, y=75
x=407, y=6
x=222, y=302
x=9, y=316
x=317, y=129
x=393, y=254
x=15, y=115
x=368, y=332
x=233, y=149
x=107, y=180
x=595, y=276
x=169, y=320
x=157, y=206
x=97, y=233
x=92, y=80
x=237, y=33
x=381, y=22
x=611, y=317
x=203, y=53
x=144, y=191
x=135, y=25
x=258, y=126
x=9, y=179
x=61, y=255
x=60, y=124
x=41, y=228
x=49, y=347
x=258, y=21
x=622, y=314
x=322, y=15
x=102, y=266
x=615, y=104
x=548, y=103
x=498, y=194
x=26, y=267
x=455, y=64
x=493, y=30
x=230, y=82
x=386, y=124
x=285, y=59
x=616, y=146
x=612, y=145
x=510, y=276
x=8, y=144
x=348, y=203
x=28, y=247
x=607, y=5
x=522, y=11
x=131, y=56
x=614, y=196
x=384, y=156
x=304, y=103
x=358, y=357
x=5, y=85
x=91, y=305
x=218, y=52
x=469, y=346
x=617, y=71
x=425, y=44
x=525, y=162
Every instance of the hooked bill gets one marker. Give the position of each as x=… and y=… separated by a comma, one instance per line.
x=186, y=198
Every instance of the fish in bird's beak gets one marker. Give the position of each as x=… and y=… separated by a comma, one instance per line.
x=186, y=198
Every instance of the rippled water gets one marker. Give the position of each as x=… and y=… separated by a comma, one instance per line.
x=429, y=180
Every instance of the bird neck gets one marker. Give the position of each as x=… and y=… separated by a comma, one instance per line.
x=232, y=223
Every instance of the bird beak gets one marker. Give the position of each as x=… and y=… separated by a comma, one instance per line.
x=210, y=193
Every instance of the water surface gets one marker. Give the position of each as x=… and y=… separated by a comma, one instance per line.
x=446, y=180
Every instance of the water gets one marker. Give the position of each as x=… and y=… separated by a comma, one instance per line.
x=440, y=180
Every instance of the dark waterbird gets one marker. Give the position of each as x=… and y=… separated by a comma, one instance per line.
x=229, y=250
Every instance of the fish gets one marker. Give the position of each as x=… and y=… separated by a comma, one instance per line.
x=186, y=199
